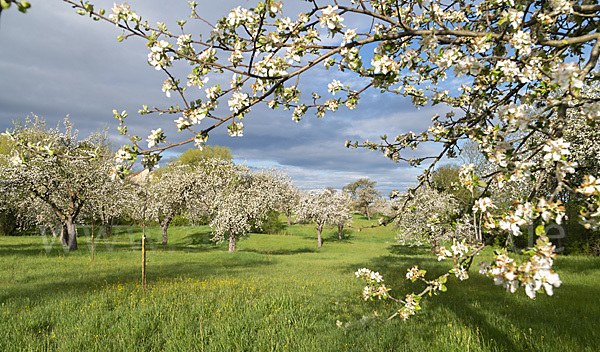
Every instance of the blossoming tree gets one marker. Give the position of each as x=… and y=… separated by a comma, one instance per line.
x=363, y=194
x=324, y=207
x=343, y=211
x=236, y=197
x=168, y=194
x=288, y=201
x=521, y=66
x=63, y=180
x=427, y=218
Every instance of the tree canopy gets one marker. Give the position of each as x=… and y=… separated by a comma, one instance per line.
x=363, y=194
x=194, y=156
x=57, y=186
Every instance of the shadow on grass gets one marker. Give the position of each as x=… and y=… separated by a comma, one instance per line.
x=82, y=282
x=509, y=322
x=398, y=249
x=487, y=307
x=576, y=264
x=273, y=251
x=30, y=250
x=347, y=236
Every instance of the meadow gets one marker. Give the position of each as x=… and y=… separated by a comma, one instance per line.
x=276, y=293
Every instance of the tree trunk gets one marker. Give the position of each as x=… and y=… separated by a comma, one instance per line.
x=55, y=232
x=434, y=245
x=164, y=228
x=319, y=238
x=71, y=234
x=108, y=228
x=368, y=214
x=340, y=228
x=289, y=219
x=64, y=236
x=231, y=242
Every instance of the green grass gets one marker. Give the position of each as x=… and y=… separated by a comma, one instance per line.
x=278, y=292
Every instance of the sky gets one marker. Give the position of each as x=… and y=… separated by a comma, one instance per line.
x=55, y=63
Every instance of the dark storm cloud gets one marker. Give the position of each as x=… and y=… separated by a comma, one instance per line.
x=55, y=63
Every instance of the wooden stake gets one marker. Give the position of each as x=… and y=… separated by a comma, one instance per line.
x=93, y=247
x=144, y=257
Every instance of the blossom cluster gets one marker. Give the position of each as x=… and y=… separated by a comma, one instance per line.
x=158, y=56
x=331, y=20
x=155, y=137
x=123, y=12
x=411, y=306
x=534, y=274
x=374, y=287
x=456, y=250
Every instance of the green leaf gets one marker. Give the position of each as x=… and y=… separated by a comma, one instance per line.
x=540, y=231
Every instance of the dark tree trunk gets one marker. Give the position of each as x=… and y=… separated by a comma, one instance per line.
x=340, y=229
x=165, y=227
x=64, y=236
x=71, y=234
x=231, y=242
x=108, y=227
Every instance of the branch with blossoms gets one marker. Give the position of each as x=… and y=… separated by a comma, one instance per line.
x=523, y=68
x=533, y=274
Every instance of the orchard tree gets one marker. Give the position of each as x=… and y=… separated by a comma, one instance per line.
x=109, y=201
x=63, y=179
x=9, y=214
x=288, y=200
x=168, y=194
x=323, y=207
x=384, y=207
x=236, y=197
x=363, y=194
x=10, y=219
x=521, y=66
x=342, y=216
x=428, y=217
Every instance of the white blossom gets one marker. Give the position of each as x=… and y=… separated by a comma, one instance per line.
x=158, y=56
x=238, y=101
x=331, y=20
x=567, y=75
x=16, y=160
x=122, y=155
x=155, y=137
x=556, y=149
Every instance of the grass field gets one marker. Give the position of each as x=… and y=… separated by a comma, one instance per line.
x=277, y=293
